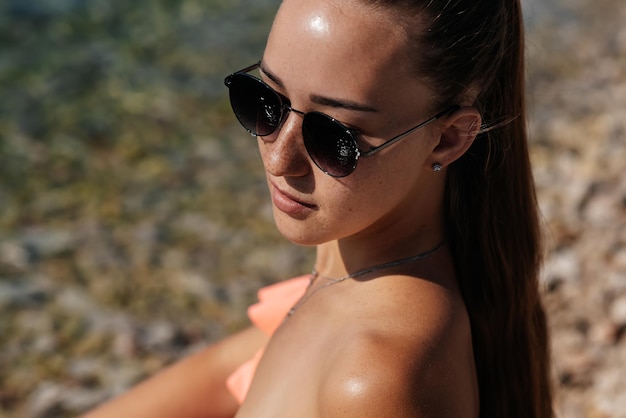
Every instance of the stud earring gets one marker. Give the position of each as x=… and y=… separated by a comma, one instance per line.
x=437, y=167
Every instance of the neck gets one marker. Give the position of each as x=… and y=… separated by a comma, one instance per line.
x=342, y=257
x=394, y=236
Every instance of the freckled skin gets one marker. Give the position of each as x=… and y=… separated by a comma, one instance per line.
x=399, y=345
x=320, y=53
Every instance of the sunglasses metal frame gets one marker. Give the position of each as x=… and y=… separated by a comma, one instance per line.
x=286, y=105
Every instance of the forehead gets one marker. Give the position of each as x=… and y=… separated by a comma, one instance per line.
x=339, y=46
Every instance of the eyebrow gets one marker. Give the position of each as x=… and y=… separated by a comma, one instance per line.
x=322, y=100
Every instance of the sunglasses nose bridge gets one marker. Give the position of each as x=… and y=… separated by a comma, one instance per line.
x=285, y=110
x=296, y=111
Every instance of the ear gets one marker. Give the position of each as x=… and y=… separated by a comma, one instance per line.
x=458, y=132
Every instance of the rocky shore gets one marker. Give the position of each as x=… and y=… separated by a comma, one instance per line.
x=118, y=257
x=578, y=86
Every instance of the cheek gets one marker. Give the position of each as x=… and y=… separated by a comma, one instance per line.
x=365, y=197
x=393, y=178
x=385, y=173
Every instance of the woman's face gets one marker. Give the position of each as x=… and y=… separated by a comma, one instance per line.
x=349, y=62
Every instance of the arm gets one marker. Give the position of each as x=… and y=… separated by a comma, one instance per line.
x=192, y=387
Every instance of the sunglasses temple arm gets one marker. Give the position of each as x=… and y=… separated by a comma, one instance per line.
x=245, y=70
x=250, y=68
x=392, y=141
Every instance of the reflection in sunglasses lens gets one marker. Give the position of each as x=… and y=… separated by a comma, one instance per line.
x=257, y=107
x=330, y=146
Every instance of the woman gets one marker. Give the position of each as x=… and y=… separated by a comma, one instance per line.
x=393, y=138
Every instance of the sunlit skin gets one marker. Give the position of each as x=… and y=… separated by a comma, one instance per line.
x=371, y=341
x=319, y=54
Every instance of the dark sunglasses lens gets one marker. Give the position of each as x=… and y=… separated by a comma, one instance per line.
x=257, y=107
x=330, y=145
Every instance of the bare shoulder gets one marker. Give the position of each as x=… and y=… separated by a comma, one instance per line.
x=410, y=357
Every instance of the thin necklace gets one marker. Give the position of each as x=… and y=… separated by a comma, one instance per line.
x=331, y=281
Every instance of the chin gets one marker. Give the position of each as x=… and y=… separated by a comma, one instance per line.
x=300, y=238
x=298, y=232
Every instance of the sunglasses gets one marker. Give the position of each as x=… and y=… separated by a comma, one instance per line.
x=331, y=145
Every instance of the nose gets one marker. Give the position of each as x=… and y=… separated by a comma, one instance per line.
x=283, y=153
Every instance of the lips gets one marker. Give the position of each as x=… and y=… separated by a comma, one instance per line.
x=288, y=203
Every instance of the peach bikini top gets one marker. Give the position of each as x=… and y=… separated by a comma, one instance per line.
x=267, y=315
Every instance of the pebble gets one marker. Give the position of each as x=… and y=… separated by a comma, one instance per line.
x=618, y=311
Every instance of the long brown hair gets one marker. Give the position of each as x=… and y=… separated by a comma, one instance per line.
x=491, y=208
